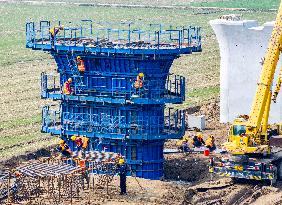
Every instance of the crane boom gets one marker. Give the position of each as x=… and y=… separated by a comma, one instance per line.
x=259, y=106
x=254, y=149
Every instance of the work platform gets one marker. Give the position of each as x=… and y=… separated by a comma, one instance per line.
x=105, y=104
x=96, y=37
x=155, y=91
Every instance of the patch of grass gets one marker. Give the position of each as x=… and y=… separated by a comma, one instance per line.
x=21, y=150
x=14, y=140
x=250, y=4
x=20, y=122
x=203, y=93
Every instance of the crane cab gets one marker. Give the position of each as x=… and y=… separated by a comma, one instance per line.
x=237, y=140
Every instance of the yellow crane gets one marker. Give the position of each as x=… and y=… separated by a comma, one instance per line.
x=250, y=139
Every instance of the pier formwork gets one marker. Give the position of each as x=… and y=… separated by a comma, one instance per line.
x=105, y=104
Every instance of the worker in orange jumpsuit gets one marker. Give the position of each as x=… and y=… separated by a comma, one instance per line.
x=67, y=90
x=139, y=81
x=80, y=65
x=53, y=32
x=81, y=143
x=64, y=149
x=138, y=84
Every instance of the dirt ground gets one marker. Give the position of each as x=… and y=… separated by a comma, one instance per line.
x=186, y=179
x=193, y=168
x=224, y=191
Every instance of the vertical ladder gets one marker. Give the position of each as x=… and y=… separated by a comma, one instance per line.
x=78, y=79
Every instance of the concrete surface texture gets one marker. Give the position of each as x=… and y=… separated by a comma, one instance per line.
x=242, y=47
x=196, y=121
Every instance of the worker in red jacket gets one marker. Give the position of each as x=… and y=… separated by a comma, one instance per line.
x=81, y=143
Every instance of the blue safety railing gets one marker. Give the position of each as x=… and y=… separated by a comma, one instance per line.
x=96, y=35
x=104, y=125
x=171, y=89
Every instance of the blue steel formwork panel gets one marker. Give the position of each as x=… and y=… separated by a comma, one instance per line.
x=114, y=76
x=119, y=90
x=144, y=157
x=105, y=106
x=130, y=122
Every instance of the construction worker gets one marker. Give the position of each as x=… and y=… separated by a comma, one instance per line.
x=139, y=82
x=81, y=143
x=210, y=143
x=198, y=140
x=80, y=65
x=183, y=144
x=122, y=168
x=53, y=32
x=64, y=148
x=67, y=90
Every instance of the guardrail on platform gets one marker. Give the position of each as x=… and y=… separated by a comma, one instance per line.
x=96, y=34
x=138, y=127
x=173, y=87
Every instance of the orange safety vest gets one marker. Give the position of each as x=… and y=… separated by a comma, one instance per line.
x=210, y=142
x=138, y=83
x=80, y=65
x=82, y=164
x=67, y=88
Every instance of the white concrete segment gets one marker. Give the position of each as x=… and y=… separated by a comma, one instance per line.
x=196, y=121
x=242, y=46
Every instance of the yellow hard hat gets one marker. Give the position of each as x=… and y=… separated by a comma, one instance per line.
x=61, y=141
x=121, y=161
x=70, y=80
x=62, y=27
x=199, y=134
x=73, y=138
x=141, y=74
x=78, y=57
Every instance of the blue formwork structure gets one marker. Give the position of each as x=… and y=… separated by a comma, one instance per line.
x=105, y=106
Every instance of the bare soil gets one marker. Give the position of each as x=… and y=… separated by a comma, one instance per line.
x=186, y=179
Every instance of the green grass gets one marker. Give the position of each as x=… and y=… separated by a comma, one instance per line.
x=14, y=140
x=20, y=122
x=250, y=4
x=14, y=16
x=212, y=91
x=21, y=150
